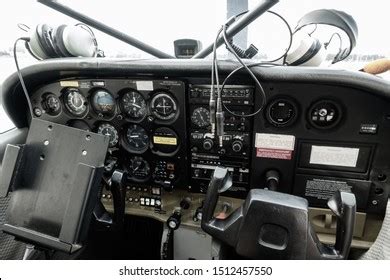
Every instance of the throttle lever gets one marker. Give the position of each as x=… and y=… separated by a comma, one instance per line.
x=343, y=205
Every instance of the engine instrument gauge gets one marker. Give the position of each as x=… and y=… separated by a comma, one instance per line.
x=133, y=105
x=325, y=114
x=200, y=117
x=103, y=102
x=281, y=112
x=109, y=130
x=75, y=102
x=137, y=138
x=139, y=169
x=163, y=106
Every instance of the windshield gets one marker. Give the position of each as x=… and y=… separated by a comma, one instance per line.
x=159, y=23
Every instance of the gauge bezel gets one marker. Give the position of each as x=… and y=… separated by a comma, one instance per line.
x=338, y=107
x=158, y=93
x=102, y=115
x=44, y=98
x=134, y=179
x=121, y=95
x=154, y=146
x=115, y=129
x=192, y=114
x=126, y=143
x=285, y=99
x=64, y=96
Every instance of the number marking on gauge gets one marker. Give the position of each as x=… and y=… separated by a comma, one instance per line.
x=137, y=138
x=139, y=169
x=109, y=130
x=75, y=102
x=201, y=117
x=133, y=105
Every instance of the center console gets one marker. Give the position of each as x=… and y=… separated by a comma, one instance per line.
x=206, y=153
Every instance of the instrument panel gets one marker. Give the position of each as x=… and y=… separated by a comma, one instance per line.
x=313, y=137
x=144, y=120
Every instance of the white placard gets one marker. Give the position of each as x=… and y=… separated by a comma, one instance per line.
x=144, y=85
x=336, y=156
x=275, y=141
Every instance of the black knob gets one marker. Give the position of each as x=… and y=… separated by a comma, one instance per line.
x=237, y=146
x=208, y=144
x=185, y=203
x=272, y=180
x=174, y=220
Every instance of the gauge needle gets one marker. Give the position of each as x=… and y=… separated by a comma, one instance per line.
x=134, y=103
x=134, y=136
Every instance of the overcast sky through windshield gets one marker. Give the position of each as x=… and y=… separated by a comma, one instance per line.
x=160, y=22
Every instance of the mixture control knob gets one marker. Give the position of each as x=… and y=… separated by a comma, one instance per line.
x=237, y=146
x=208, y=144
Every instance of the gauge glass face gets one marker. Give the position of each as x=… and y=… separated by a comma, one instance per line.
x=139, y=169
x=75, y=102
x=163, y=106
x=200, y=117
x=134, y=105
x=103, y=102
x=137, y=138
x=110, y=131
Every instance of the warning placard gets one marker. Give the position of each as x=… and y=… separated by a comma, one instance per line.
x=277, y=146
x=271, y=153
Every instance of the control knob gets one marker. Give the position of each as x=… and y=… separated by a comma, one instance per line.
x=208, y=144
x=237, y=146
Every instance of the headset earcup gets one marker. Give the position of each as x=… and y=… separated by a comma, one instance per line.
x=58, y=41
x=79, y=41
x=305, y=51
x=46, y=38
x=35, y=46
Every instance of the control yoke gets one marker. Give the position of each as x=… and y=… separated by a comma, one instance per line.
x=273, y=225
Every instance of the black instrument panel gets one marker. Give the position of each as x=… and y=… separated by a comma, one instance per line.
x=318, y=138
x=145, y=121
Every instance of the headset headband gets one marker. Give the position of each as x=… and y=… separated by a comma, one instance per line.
x=335, y=18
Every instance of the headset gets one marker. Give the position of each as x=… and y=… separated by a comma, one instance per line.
x=62, y=41
x=306, y=50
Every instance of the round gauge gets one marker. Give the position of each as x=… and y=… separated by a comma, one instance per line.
x=139, y=169
x=163, y=106
x=103, y=102
x=165, y=140
x=200, y=117
x=75, y=102
x=281, y=112
x=51, y=104
x=324, y=114
x=133, y=105
x=110, y=131
x=137, y=138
